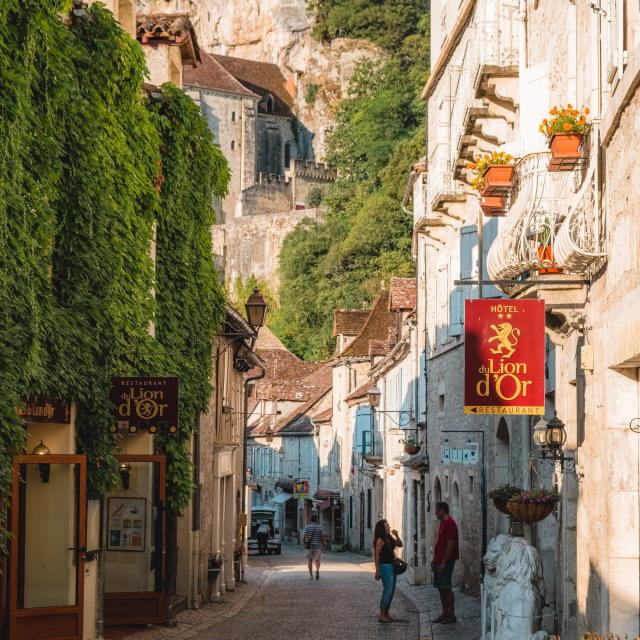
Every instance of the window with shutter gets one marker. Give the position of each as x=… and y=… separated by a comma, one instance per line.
x=443, y=302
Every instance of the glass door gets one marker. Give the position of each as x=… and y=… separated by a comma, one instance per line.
x=48, y=527
x=134, y=558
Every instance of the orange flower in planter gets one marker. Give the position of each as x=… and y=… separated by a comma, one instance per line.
x=565, y=120
x=483, y=163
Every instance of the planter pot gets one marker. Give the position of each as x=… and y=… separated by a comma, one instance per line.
x=529, y=512
x=411, y=449
x=566, y=151
x=498, y=180
x=501, y=505
x=493, y=205
x=545, y=255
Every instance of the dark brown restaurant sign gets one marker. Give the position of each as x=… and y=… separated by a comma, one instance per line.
x=149, y=403
x=41, y=409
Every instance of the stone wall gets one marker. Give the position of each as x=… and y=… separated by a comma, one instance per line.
x=251, y=245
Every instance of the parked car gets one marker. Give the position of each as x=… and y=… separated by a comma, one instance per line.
x=260, y=514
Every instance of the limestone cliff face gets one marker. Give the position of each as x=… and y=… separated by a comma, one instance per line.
x=278, y=31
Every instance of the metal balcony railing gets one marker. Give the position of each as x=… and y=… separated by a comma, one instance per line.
x=440, y=184
x=580, y=242
x=527, y=240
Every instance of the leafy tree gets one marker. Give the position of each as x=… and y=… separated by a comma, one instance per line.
x=365, y=237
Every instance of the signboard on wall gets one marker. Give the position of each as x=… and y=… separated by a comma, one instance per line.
x=126, y=524
x=145, y=403
x=40, y=409
x=301, y=489
x=504, y=357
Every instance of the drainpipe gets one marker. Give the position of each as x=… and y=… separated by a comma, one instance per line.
x=195, y=522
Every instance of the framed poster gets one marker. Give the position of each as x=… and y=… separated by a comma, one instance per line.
x=126, y=524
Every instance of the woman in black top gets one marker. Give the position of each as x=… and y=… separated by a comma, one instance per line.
x=385, y=541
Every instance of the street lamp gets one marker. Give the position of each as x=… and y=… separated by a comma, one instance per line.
x=256, y=309
x=269, y=435
x=374, y=396
x=550, y=436
x=43, y=467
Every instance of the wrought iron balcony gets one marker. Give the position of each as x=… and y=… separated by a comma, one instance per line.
x=550, y=229
x=580, y=243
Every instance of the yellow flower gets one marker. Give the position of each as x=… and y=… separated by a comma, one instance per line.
x=567, y=126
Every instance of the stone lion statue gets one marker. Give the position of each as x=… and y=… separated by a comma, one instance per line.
x=515, y=588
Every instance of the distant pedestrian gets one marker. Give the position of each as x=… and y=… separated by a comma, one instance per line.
x=263, y=537
x=312, y=538
x=385, y=541
x=445, y=553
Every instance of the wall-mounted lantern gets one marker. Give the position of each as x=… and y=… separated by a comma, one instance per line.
x=44, y=467
x=124, y=469
x=256, y=307
x=550, y=437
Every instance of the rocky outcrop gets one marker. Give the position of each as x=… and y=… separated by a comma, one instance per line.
x=278, y=31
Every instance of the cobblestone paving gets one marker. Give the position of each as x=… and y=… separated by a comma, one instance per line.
x=278, y=602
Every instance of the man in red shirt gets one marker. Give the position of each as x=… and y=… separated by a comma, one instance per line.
x=445, y=553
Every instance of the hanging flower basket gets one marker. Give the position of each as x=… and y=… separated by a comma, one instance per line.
x=493, y=205
x=501, y=505
x=547, y=261
x=497, y=180
x=529, y=512
x=411, y=449
x=566, y=151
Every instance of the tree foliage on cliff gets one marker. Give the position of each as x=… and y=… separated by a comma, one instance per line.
x=365, y=237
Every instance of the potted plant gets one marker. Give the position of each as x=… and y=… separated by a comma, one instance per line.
x=565, y=132
x=502, y=495
x=494, y=174
x=214, y=566
x=532, y=506
x=410, y=445
x=545, y=249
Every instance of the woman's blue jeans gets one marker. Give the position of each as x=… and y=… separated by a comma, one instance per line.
x=388, y=577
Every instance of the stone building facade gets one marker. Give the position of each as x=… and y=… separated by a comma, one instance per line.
x=494, y=79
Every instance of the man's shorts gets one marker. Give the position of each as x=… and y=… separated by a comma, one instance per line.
x=442, y=579
x=313, y=554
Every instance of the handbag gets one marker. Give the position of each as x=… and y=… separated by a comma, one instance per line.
x=399, y=566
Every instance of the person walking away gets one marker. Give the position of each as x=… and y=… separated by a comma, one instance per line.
x=445, y=553
x=263, y=537
x=313, y=537
x=385, y=541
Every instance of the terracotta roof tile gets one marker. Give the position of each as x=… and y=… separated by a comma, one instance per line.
x=171, y=28
x=348, y=322
x=361, y=392
x=262, y=78
x=212, y=75
x=379, y=347
x=376, y=327
x=402, y=294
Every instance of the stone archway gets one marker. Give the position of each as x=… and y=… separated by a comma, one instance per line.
x=503, y=454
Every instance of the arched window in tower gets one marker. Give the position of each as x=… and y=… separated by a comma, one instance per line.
x=287, y=155
x=455, y=502
x=271, y=104
x=437, y=490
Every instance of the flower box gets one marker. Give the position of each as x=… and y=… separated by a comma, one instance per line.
x=566, y=151
x=530, y=512
x=497, y=180
x=547, y=261
x=493, y=205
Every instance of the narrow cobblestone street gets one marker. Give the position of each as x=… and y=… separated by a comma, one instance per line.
x=279, y=601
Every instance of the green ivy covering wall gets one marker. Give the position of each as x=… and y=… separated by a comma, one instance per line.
x=81, y=150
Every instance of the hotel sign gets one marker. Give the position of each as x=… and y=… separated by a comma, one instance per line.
x=504, y=357
x=145, y=403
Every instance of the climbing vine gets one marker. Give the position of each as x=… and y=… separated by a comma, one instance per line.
x=80, y=151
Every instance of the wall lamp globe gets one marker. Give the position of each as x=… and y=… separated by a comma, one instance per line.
x=44, y=467
x=374, y=396
x=256, y=308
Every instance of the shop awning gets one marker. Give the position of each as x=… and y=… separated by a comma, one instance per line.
x=280, y=498
x=324, y=504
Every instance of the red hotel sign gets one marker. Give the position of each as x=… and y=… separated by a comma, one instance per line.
x=504, y=355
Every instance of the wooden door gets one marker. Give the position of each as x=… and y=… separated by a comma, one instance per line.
x=135, y=531
x=47, y=549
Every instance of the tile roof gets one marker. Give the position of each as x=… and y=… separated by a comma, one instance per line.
x=262, y=78
x=324, y=416
x=361, y=392
x=287, y=377
x=402, y=294
x=348, y=322
x=171, y=28
x=379, y=347
x=376, y=327
x=212, y=75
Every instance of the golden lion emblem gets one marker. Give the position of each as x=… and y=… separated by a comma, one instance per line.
x=507, y=338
